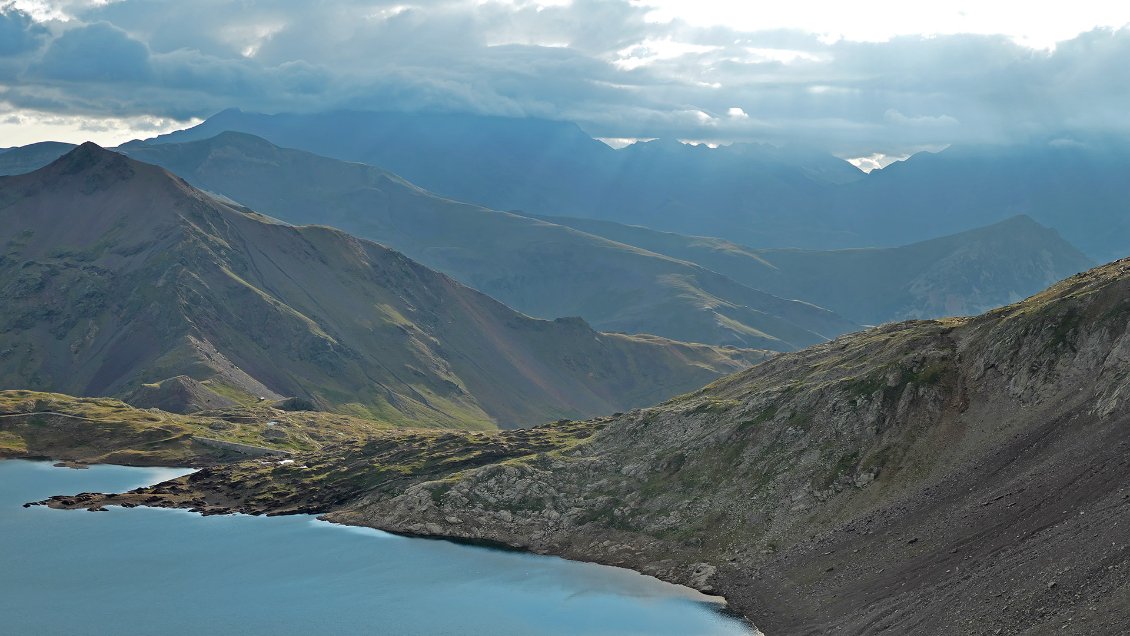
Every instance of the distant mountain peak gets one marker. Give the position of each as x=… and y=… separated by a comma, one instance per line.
x=85, y=156
x=89, y=168
x=1015, y=223
x=232, y=137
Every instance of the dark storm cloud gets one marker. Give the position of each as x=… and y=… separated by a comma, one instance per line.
x=600, y=63
x=98, y=52
x=18, y=33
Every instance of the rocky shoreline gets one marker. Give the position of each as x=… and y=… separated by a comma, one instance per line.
x=180, y=494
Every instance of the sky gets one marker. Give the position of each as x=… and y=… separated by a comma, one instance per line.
x=871, y=81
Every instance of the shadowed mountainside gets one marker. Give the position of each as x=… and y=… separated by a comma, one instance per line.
x=546, y=272
x=540, y=268
x=554, y=167
x=119, y=274
x=754, y=195
x=961, y=274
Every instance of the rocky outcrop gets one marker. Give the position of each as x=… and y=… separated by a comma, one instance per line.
x=958, y=476
x=181, y=394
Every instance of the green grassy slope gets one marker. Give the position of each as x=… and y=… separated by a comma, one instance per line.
x=105, y=430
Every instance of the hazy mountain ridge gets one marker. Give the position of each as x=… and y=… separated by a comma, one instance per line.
x=540, y=268
x=546, y=271
x=499, y=146
x=553, y=167
x=961, y=274
x=758, y=196
x=122, y=274
x=1075, y=184
x=23, y=159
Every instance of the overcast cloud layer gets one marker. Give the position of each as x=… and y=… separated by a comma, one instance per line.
x=601, y=63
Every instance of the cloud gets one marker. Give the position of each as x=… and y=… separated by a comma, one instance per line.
x=874, y=161
x=98, y=52
x=895, y=117
x=602, y=63
x=18, y=32
x=27, y=127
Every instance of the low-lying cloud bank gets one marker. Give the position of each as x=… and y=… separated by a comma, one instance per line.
x=607, y=65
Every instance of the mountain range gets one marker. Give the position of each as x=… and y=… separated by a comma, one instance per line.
x=540, y=268
x=752, y=194
x=547, y=167
x=117, y=274
x=629, y=278
x=957, y=275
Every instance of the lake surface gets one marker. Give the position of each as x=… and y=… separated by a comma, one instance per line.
x=170, y=572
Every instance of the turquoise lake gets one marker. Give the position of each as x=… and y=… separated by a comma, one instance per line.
x=171, y=572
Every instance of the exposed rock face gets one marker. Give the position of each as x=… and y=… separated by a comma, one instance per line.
x=181, y=394
x=922, y=477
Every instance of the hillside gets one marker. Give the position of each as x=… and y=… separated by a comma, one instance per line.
x=957, y=476
x=120, y=274
x=107, y=431
x=542, y=269
x=961, y=274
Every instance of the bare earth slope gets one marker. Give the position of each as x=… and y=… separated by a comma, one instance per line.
x=967, y=476
x=117, y=274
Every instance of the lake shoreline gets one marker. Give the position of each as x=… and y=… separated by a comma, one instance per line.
x=295, y=574
x=175, y=494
